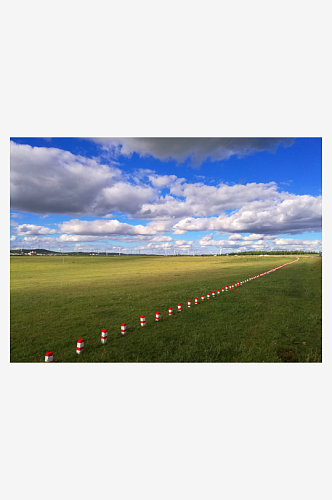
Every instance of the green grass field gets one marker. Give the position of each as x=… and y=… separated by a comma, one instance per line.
x=274, y=318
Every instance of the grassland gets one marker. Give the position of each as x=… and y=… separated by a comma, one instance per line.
x=274, y=318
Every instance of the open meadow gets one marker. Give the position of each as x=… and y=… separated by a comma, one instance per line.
x=274, y=318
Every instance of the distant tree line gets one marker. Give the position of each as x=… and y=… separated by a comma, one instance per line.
x=273, y=252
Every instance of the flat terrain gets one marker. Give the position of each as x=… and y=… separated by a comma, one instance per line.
x=274, y=318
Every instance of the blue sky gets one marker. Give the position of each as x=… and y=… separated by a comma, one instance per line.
x=173, y=195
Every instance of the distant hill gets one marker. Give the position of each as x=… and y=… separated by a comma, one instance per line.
x=43, y=251
x=37, y=250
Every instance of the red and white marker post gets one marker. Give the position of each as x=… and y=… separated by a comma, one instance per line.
x=142, y=320
x=123, y=328
x=157, y=316
x=80, y=346
x=49, y=357
x=208, y=296
x=222, y=290
x=196, y=301
x=189, y=303
x=213, y=294
x=104, y=336
x=218, y=292
x=170, y=311
x=179, y=307
x=202, y=298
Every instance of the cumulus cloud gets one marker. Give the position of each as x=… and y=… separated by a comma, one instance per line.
x=197, y=149
x=78, y=230
x=36, y=241
x=267, y=243
x=199, y=200
x=251, y=237
x=25, y=229
x=160, y=226
x=208, y=240
x=124, y=197
x=66, y=238
x=50, y=180
x=295, y=214
x=161, y=181
x=183, y=243
x=67, y=243
x=104, y=228
x=289, y=242
x=162, y=238
x=158, y=245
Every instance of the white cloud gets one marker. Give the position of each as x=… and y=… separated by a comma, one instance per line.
x=65, y=238
x=208, y=240
x=104, y=228
x=39, y=240
x=200, y=200
x=158, y=245
x=161, y=181
x=160, y=226
x=29, y=229
x=295, y=214
x=183, y=243
x=50, y=180
x=77, y=230
x=251, y=237
x=124, y=197
x=296, y=242
x=162, y=238
x=268, y=243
